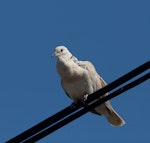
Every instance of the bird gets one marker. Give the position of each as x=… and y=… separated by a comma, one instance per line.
x=80, y=79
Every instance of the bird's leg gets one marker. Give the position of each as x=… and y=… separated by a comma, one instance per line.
x=75, y=103
x=85, y=97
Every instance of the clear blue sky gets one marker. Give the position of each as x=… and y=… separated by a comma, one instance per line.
x=113, y=35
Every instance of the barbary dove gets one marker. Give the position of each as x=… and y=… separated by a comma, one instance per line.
x=79, y=79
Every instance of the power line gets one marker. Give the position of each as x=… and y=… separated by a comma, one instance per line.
x=42, y=129
x=85, y=110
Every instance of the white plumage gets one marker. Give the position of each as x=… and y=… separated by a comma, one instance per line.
x=79, y=78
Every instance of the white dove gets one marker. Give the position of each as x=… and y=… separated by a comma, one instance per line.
x=79, y=79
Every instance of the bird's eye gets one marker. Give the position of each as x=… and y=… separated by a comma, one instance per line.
x=61, y=50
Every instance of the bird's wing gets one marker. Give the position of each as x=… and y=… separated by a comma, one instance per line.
x=97, y=79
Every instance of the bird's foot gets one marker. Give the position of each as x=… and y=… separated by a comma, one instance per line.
x=77, y=103
x=84, y=99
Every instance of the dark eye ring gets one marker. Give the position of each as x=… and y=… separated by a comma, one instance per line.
x=61, y=50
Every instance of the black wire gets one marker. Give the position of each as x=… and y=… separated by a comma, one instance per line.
x=86, y=109
x=63, y=113
x=120, y=81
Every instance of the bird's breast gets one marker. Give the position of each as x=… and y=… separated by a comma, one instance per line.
x=76, y=89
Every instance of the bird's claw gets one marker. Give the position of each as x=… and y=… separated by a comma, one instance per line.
x=83, y=100
x=85, y=97
x=75, y=104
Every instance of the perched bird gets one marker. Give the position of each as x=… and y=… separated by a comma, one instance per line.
x=79, y=79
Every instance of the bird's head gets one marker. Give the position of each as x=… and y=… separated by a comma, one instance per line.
x=62, y=51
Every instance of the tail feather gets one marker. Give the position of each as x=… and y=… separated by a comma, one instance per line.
x=107, y=110
x=114, y=119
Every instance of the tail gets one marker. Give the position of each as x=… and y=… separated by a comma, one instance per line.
x=114, y=119
x=107, y=110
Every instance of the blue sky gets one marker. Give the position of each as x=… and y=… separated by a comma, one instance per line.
x=113, y=35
